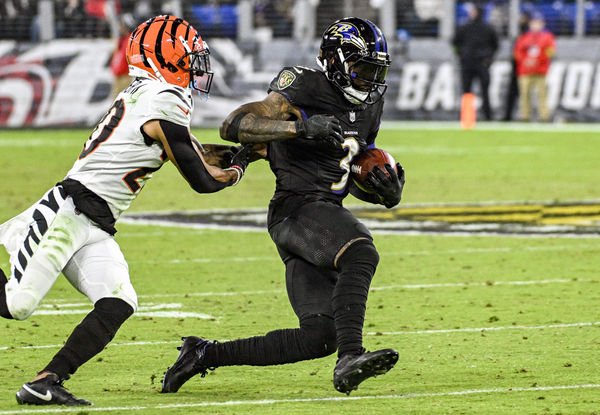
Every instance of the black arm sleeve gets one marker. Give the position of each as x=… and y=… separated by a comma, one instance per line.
x=187, y=159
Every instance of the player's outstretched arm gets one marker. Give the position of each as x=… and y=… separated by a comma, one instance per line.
x=202, y=177
x=265, y=121
x=221, y=155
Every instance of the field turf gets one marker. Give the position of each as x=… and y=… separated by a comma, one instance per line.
x=483, y=324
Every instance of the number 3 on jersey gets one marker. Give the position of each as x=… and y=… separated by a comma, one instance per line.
x=105, y=128
x=352, y=145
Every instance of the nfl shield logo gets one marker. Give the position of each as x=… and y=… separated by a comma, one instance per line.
x=352, y=116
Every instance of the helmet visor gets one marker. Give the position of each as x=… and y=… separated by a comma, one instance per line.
x=366, y=76
x=199, y=68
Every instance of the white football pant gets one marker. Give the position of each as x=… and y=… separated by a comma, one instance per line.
x=52, y=236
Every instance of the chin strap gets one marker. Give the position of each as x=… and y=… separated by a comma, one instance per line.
x=156, y=71
x=354, y=96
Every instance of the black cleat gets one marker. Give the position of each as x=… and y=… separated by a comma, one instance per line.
x=189, y=363
x=351, y=369
x=48, y=391
x=3, y=306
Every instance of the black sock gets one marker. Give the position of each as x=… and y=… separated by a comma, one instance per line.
x=315, y=338
x=357, y=266
x=3, y=306
x=91, y=336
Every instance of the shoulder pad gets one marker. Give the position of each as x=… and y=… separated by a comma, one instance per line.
x=171, y=103
x=286, y=77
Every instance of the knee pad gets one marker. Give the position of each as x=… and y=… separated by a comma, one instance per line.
x=360, y=254
x=319, y=332
x=20, y=303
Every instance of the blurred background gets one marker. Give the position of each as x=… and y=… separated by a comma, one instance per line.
x=60, y=63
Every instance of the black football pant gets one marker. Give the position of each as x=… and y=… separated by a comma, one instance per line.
x=480, y=71
x=330, y=260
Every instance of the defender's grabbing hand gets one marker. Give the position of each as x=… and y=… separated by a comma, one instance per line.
x=319, y=127
x=240, y=161
x=388, y=188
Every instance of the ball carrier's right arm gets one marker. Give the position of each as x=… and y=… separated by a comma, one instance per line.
x=268, y=120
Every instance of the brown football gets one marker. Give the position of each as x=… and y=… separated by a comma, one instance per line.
x=366, y=162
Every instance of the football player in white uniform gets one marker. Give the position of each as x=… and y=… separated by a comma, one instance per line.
x=70, y=229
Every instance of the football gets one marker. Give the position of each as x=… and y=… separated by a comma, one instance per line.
x=366, y=162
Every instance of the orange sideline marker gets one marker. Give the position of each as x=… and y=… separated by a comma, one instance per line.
x=467, y=111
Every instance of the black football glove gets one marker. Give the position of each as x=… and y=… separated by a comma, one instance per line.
x=319, y=127
x=389, y=189
x=228, y=154
x=240, y=161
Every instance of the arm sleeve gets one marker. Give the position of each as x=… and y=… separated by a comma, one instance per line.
x=188, y=160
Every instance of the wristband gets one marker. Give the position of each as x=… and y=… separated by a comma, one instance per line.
x=240, y=173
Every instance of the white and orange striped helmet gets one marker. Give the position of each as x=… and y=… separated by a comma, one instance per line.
x=169, y=49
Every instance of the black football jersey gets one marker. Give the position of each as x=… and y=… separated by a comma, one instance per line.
x=308, y=170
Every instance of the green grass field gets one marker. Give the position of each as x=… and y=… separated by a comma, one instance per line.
x=484, y=324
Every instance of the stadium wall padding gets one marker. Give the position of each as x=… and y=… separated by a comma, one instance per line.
x=68, y=82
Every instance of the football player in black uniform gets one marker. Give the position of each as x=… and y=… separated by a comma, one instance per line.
x=313, y=123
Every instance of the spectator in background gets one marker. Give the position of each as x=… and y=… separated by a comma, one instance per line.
x=118, y=62
x=17, y=20
x=476, y=43
x=277, y=15
x=533, y=52
x=513, y=87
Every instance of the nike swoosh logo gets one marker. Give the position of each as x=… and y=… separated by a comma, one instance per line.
x=298, y=70
x=47, y=397
x=186, y=112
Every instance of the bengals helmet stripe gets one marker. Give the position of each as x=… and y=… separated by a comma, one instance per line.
x=169, y=49
x=142, y=51
x=158, y=45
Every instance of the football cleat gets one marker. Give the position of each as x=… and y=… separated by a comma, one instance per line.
x=190, y=362
x=351, y=369
x=48, y=391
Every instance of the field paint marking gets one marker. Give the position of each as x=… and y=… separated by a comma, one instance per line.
x=149, y=310
x=51, y=346
x=302, y=400
x=475, y=284
x=380, y=288
x=38, y=142
x=414, y=232
x=407, y=253
x=468, y=330
x=373, y=333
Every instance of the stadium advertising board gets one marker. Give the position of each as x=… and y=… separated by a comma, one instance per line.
x=68, y=82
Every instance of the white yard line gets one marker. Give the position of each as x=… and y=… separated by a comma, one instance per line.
x=480, y=329
x=375, y=288
x=338, y=398
x=384, y=333
x=395, y=254
x=274, y=257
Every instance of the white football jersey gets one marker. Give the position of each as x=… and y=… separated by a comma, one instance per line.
x=117, y=160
